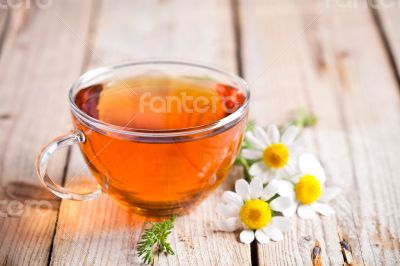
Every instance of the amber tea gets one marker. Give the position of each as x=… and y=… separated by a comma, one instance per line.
x=151, y=175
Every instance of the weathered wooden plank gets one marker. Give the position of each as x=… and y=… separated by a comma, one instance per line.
x=332, y=60
x=389, y=17
x=40, y=59
x=4, y=23
x=370, y=109
x=101, y=232
x=270, y=32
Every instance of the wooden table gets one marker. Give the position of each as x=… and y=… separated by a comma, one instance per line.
x=339, y=59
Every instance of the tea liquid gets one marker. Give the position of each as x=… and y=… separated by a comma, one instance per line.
x=160, y=177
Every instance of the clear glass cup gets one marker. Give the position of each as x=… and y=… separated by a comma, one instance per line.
x=155, y=172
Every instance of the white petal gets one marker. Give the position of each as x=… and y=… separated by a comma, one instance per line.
x=246, y=236
x=261, y=237
x=305, y=212
x=296, y=178
x=278, y=173
x=256, y=188
x=231, y=224
x=291, y=167
x=282, y=223
x=242, y=188
x=290, y=134
x=322, y=208
x=232, y=198
x=265, y=177
x=252, y=154
x=227, y=210
x=270, y=190
x=289, y=212
x=297, y=145
x=330, y=193
x=273, y=133
x=273, y=233
x=257, y=168
x=281, y=203
x=286, y=189
x=261, y=135
x=254, y=141
x=309, y=164
x=272, y=175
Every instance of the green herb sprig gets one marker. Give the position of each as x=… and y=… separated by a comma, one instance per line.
x=303, y=118
x=154, y=239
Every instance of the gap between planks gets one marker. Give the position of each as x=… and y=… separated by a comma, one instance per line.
x=5, y=17
x=235, y=11
x=93, y=20
x=377, y=18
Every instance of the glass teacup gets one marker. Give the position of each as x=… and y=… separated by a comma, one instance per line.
x=158, y=136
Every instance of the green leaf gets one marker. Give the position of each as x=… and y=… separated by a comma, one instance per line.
x=303, y=118
x=240, y=161
x=250, y=125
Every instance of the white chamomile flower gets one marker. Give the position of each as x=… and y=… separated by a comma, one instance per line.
x=307, y=191
x=275, y=154
x=251, y=208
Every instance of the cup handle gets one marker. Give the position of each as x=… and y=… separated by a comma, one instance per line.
x=42, y=161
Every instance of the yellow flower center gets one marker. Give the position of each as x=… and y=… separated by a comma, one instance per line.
x=307, y=189
x=276, y=155
x=255, y=214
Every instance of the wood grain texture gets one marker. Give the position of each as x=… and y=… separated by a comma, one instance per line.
x=99, y=232
x=271, y=33
x=332, y=60
x=4, y=25
x=39, y=61
x=327, y=56
x=388, y=15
